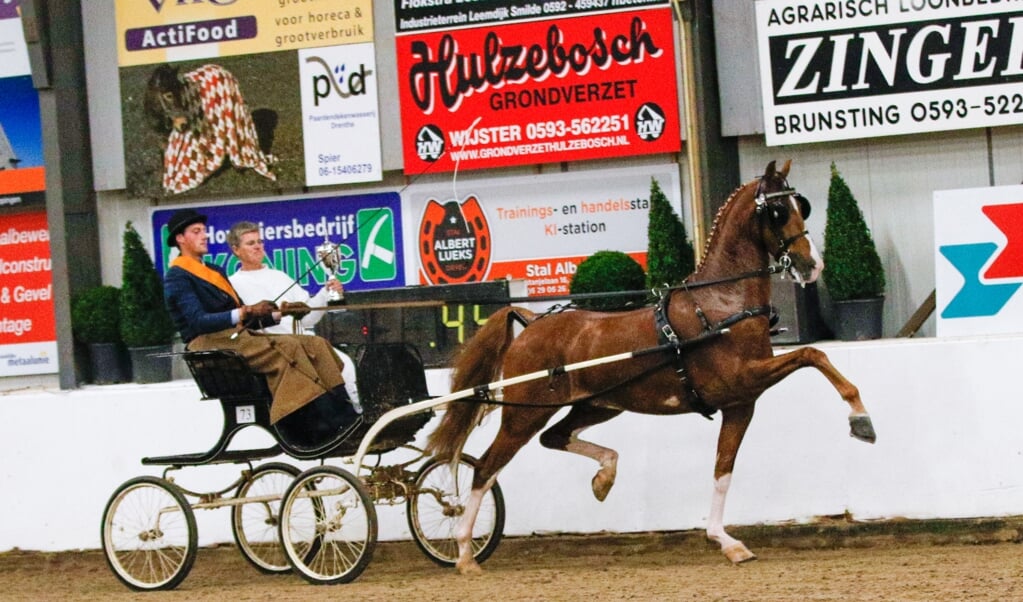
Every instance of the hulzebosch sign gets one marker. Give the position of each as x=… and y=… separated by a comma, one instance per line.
x=862, y=68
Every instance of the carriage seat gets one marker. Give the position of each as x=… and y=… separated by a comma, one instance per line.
x=389, y=375
x=244, y=398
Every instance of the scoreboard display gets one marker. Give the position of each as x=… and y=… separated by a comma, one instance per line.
x=436, y=319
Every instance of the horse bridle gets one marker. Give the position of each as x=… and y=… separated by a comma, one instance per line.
x=776, y=212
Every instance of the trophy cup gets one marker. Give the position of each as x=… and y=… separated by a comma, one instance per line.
x=330, y=255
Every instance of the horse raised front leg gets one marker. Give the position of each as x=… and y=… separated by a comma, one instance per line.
x=733, y=429
x=778, y=367
x=860, y=425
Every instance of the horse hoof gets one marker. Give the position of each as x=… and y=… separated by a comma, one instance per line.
x=601, y=487
x=739, y=553
x=469, y=568
x=862, y=428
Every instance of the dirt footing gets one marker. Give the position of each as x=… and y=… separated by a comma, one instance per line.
x=821, y=534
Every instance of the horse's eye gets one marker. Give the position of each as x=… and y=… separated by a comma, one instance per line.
x=168, y=96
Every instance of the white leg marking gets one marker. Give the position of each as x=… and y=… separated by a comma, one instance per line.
x=463, y=534
x=604, y=480
x=715, y=523
x=732, y=548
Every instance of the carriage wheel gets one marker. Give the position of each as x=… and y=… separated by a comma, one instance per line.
x=436, y=506
x=256, y=522
x=149, y=534
x=328, y=525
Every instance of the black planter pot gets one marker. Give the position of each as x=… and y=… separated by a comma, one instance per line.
x=109, y=363
x=858, y=319
x=798, y=310
x=151, y=364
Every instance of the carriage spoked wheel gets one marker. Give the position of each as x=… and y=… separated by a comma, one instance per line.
x=256, y=522
x=328, y=525
x=437, y=504
x=149, y=534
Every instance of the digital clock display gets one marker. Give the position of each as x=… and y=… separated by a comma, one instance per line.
x=435, y=319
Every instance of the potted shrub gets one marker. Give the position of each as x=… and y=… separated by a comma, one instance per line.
x=852, y=268
x=669, y=257
x=609, y=271
x=95, y=316
x=146, y=326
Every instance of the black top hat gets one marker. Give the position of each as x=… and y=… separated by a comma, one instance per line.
x=182, y=219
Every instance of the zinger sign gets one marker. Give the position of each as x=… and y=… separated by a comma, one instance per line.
x=835, y=70
x=509, y=83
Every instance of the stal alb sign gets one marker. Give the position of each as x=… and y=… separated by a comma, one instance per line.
x=858, y=69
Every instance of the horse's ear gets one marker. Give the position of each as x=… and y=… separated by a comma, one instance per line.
x=769, y=172
x=785, y=168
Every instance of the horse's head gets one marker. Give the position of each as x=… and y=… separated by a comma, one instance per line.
x=782, y=212
x=165, y=100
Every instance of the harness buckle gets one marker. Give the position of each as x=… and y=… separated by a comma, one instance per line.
x=669, y=333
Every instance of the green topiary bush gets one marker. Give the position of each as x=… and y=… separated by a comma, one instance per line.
x=670, y=257
x=852, y=267
x=95, y=315
x=608, y=271
x=145, y=321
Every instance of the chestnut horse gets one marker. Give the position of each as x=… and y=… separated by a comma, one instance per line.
x=706, y=348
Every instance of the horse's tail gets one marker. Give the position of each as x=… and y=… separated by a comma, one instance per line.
x=477, y=363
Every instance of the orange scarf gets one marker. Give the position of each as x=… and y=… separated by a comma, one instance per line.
x=204, y=272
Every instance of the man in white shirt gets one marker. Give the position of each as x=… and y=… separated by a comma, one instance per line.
x=255, y=280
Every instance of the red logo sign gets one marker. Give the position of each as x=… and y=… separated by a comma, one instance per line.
x=455, y=245
x=539, y=91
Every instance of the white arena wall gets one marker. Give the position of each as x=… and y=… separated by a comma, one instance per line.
x=946, y=411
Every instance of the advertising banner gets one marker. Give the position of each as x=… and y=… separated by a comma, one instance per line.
x=493, y=84
x=840, y=70
x=28, y=333
x=22, y=175
x=537, y=228
x=978, y=255
x=365, y=228
x=247, y=95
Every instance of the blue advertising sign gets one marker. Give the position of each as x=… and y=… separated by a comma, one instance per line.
x=366, y=229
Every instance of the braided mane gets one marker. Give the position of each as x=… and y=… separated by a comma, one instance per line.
x=714, y=226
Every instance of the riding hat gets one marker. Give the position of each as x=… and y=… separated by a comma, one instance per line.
x=182, y=219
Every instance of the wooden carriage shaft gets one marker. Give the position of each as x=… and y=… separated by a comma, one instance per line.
x=429, y=404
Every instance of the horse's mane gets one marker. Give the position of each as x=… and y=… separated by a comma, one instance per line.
x=714, y=225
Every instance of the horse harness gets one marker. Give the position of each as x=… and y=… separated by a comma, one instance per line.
x=769, y=207
x=668, y=337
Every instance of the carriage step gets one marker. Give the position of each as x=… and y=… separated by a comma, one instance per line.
x=233, y=456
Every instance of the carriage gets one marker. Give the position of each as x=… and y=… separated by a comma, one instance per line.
x=704, y=348
x=320, y=522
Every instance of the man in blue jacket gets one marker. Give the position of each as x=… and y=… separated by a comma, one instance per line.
x=310, y=406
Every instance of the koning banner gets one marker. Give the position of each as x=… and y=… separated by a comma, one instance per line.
x=367, y=230
x=491, y=84
x=247, y=95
